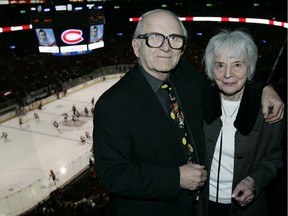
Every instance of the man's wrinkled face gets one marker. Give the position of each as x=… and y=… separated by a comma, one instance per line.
x=164, y=58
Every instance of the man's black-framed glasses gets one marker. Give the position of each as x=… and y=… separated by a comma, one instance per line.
x=155, y=40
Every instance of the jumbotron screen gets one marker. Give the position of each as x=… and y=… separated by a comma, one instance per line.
x=68, y=29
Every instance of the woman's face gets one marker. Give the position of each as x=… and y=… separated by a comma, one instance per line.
x=230, y=76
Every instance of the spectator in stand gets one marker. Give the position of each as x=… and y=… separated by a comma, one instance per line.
x=147, y=168
x=243, y=151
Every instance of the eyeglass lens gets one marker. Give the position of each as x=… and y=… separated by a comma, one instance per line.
x=156, y=40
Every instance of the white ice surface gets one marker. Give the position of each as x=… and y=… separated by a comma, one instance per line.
x=31, y=151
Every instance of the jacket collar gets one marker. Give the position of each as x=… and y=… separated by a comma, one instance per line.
x=248, y=111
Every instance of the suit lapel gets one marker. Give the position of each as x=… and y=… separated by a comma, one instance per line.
x=151, y=107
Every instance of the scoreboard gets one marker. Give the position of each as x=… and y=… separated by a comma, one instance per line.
x=68, y=29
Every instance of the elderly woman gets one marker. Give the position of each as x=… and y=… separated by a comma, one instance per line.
x=243, y=152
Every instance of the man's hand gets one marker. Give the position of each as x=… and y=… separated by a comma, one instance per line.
x=272, y=105
x=192, y=176
x=243, y=193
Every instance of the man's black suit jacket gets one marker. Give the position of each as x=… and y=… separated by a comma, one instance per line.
x=136, y=150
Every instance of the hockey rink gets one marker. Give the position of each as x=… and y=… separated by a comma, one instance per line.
x=33, y=149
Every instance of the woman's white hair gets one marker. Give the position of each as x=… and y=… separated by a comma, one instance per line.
x=239, y=44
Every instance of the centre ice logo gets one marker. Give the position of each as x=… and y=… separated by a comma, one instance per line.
x=72, y=36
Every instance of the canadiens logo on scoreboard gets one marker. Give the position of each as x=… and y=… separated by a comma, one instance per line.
x=72, y=36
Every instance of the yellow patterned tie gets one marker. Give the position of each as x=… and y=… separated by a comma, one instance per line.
x=178, y=117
